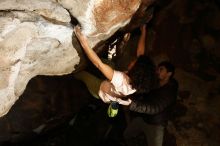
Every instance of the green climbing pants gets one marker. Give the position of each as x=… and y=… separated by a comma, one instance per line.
x=92, y=82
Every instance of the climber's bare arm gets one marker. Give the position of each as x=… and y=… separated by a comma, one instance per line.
x=141, y=46
x=141, y=42
x=93, y=57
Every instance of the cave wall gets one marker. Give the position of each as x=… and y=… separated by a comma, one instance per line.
x=185, y=32
x=36, y=38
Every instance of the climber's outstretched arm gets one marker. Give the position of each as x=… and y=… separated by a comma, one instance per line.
x=93, y=57
x=141, y=45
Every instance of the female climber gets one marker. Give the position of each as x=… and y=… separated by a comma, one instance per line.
x=139, y=77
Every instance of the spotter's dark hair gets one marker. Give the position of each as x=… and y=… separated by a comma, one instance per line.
x=169, y=67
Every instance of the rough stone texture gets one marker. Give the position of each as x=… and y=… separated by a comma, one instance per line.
x=182, y=31
x=46, y=8
x=101, y=18
x=30, y=46
x=36, y=38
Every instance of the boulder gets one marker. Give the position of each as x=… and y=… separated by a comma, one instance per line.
x=36, y=38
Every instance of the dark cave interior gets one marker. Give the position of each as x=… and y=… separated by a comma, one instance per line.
x=59, y=110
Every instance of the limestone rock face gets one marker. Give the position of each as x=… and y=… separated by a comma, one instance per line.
x=47, y=8
x=36, y=37
x=31, y=46
x=101, y=18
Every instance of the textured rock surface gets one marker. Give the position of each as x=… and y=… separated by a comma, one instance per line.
x=101, y=18
x=47, y=8
x=36, y=38
x=30, y=46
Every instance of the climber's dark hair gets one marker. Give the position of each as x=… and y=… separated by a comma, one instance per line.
x=142, y=75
